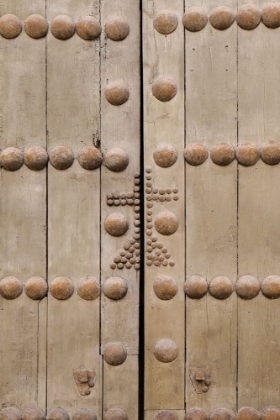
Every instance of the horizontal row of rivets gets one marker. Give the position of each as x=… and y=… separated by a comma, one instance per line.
x=244, y=413
x=62, y=288
x=195, y=19
x=61, y=157
x=12, y=413
x=220, y=287
x=63, y=27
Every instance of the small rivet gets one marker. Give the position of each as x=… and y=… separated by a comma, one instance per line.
x=166, y=350
x=115, y=353
x=35, y=158
x=116, y=159
x=61, y=288
x=11, y=159
x=61, y=157
x=63, y=27
x=36, y=26
x=36, y=288
x=88, y=28
x=90, y=158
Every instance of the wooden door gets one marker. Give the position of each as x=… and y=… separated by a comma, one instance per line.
x=88, y=331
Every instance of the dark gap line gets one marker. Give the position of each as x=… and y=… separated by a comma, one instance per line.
x=237, y=218
x=47, y=210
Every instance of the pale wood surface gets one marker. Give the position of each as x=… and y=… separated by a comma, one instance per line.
x=211, y=209
x=259, y=231
x=120, y=127
x=73, y=210
x=150, y=414
x=23, y=214
x=164, y=123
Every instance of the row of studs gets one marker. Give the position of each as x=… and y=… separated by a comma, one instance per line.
x=220, y=287
x=195, y=19
x=63, y=27
x=62, y=288
x=32, y=413
x=244, y=413
x=61, y=157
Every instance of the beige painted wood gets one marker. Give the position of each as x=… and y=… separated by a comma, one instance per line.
x=73, y=211
x=150, y=414
x=211, y=209
x=164, y=123
x=120, y=128
x=259, y=232
x=23, y=214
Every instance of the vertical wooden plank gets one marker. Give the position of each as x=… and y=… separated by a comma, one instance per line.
x=211, y=208
x=152, y=414
x=163, y=39
x=120, y=196
x=259, y=231
x=23, y=213
x=73, y=214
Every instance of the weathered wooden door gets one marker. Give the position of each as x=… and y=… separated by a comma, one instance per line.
x=139, y=250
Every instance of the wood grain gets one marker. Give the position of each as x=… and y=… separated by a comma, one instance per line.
x=73, y=211
x=211, y=209
x=259, y=232
x=120, y=128
x=23, y=214
x=164, y=124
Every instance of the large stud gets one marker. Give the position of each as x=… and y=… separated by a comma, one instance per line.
x=271, y=15
x=116, y=92
x=166, y=223
x=115, y=353
x=36, y=288
x=195, y=19
x=61, y=157
x=63, y=27
x=196, y=287
x=115, y=288
x=61, y=288
x=116, y=224
x=116, y=159
x=33, y=413
x=271, y=287
x=117, y=29
x=196, y=153
x=221, y=287
x=247, y=287
x=88, y=28
x=11, y=159
x=165, y=287
x=88, y=288
x=248, y=17
x=166, y=350
x=35, y=158
x=221, y=18
x=10, y=287
x=36, y=26
x=10, y=26
x=115, y=413
x=165, y=22
x=165, y=155
x=90, y=158
x=164, y=88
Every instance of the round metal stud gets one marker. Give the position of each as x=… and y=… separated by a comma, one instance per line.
x=166, y=222
x=195, y=19
x=165, y=22
x=165, y=287
x=61, y=288
x=84, y=414
x=116, y=92
x=166, y=350
x=247, y=287
x=248, y=413
x=271, y=15
x=115, y=413
x=270, y=152
x=10, y=287
x=165, y=415
x=115, y=353
x=221, y=287
x=36, y=288
x=88, y=288
x=221, y=17
x=10, y=413
x=221, y=414
x=164, y=88
x=90, y=158
x=271, y=287
x=196, y=287
x=33, y=413
x=116, y=224
x=115, y=288
x=270, y=413
x=196, y=153
x=61, y=157
x=116, y=159
x=11, y=159
x=88, y=28
x=165, y=155
x=35, y=158
x=248, y=17
x=36, y=26
x=195, y=414
x=10, y=26
x=58, y=414
x=63, y=27
x=247, y=153
x=222, y=154
x=117, y=29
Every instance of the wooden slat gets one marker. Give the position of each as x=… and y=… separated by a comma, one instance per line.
x=164, y=123
x=73, y=210
x=23, y=213
x=120, y=128
x=211, y=208
x=259, y=231
x=151, y=414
